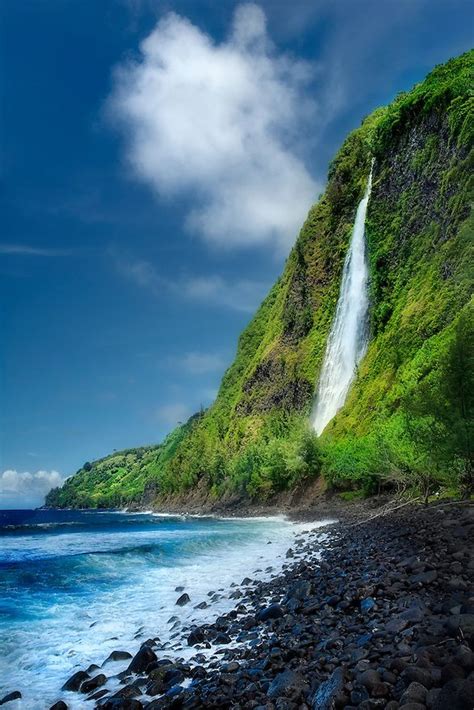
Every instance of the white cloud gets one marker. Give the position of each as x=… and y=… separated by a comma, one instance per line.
x=25, y=489
x=201, y=363
x=172, y=414
x=242, y=295
x=27, y=250
x=222, y=122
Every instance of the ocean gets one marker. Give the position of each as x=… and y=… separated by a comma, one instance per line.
x=76, y=585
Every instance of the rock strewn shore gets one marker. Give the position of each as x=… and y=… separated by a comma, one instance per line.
x=384, y=618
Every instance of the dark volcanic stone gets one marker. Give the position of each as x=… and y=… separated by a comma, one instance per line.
x=183, y=599
x=326, y=695
x=222, y=638
x=195, y=637
x=75, y=681
x=367, y=604
x=450, y=697
x=93, y=683
x=395, y=626
x=142, y=659
x=118, y=656
x=287, y=684
x=121, y=704
x=369, y=678
x=60, y=705
x=16, y=695
x=274, y=611
x=424, y=577
x=413, y=674
x=463, y=623
x=415, y=693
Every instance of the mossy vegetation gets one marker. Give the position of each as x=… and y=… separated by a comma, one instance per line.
x=407, y=421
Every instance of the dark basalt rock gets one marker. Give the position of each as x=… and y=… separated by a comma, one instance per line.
x=341, y=627
x=60, y=705
x=274, y=611
x=74, y=682
x=142, y=659
x=93, y=683
x=183, y=599
x=287, y=684
x=196, y=636
x=121, y=704
x=117, y=656
x=326, y=696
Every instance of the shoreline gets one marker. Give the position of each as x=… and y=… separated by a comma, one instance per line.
x=378, y=615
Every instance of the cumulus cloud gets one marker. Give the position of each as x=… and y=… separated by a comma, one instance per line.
x=26, y=490
x=223, y=123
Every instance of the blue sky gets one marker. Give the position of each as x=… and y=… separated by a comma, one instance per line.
x=158, y=158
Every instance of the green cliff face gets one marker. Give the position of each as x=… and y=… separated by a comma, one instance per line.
x=408, y=415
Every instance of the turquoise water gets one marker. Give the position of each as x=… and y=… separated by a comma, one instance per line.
x=75, y=585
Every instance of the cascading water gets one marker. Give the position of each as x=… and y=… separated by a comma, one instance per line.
x=348, y=338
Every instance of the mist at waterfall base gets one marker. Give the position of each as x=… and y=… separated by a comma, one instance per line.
x=76, y=585
x=347, y=341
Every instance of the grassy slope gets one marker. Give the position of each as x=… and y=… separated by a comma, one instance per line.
x=255, y=437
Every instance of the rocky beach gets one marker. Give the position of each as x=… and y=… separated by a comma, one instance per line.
x=378, y=613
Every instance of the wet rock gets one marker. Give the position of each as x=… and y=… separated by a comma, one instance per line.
x=59, y=705
x=121, y=704
x=424, y=577
x=462, y=623
x=274, y=611
x=369, y=678
x=414, y=674
x=326, y=695
x=222, y=638
x=196, y=636
x=287, y=684
x=183, y=599
x=367, y=605
x=415, y=693
x=117, y=656
x=396, y=626
x=74, y=682
x=299, y=590
x=141, y=660
x=93, y=683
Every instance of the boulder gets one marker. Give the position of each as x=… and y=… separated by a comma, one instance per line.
x=415, y=693
x=93, y=683
x=117, y=656
x=142, y=659
x=74, y=682
x=326, y=695
x=183, y=599
x=287, y=683
x=274, y=611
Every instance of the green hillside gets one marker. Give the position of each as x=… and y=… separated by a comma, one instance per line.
x=408, y=417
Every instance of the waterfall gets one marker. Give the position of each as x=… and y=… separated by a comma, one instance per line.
x=347, y=341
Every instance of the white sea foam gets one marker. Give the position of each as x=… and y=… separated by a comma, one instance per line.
x=68, y=631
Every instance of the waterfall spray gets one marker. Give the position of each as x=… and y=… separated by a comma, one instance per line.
x=347, y=341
